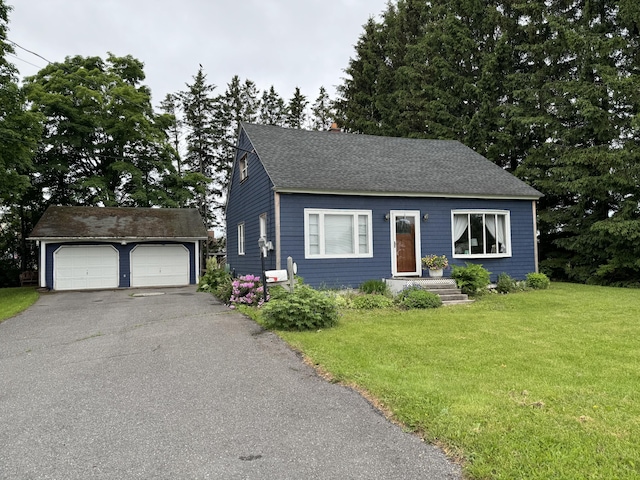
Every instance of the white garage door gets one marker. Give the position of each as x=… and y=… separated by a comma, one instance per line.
x=83, y=267
x=159, y=265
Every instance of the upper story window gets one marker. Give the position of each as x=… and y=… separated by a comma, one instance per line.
x=337, y=233
x=244, y=169
x=481, y=233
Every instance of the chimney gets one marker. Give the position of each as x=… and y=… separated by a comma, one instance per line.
x=334, y=128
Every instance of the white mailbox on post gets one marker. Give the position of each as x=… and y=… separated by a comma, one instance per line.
x=276, y=276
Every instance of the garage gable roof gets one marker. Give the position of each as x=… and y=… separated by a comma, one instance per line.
x=87, y=223
x=313, y=161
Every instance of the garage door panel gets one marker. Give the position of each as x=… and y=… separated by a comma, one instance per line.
x=159, y=265
x=85, y=267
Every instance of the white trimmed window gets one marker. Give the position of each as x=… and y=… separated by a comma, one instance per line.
x=241, y=239
x=244, y=169
x=263, y=226
x=337, y=233
x=481, y=233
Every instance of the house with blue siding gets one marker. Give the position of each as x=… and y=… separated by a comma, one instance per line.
x=348, y=208
x=101, y=248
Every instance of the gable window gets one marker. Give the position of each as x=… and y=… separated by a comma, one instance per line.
x=244, y=169
x=241, y=239
x=481, y=233
x=337, y=233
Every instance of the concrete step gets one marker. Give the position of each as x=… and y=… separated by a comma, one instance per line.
x=456, y=302
x=454, y=297
x=444, y=291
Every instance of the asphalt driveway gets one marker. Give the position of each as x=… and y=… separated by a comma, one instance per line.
x=176, y=386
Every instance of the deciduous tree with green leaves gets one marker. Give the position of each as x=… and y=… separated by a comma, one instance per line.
x=20, y=128
x=103, y=144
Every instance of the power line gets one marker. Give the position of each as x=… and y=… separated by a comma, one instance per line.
x=23, y=60
x=29, y=51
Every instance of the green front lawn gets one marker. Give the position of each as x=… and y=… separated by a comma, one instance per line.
x=534, y=385
x=15, y=300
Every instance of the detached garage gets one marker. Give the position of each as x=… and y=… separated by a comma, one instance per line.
x=98, y=248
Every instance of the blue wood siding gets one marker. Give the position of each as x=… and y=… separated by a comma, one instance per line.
x=124, y=259
x=247, y=201
x=435, y=236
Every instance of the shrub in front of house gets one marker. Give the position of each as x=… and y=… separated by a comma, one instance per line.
x=471, y=279
x=371, y=301
x=538, y=281
x=375, y=286
x=417, y=297
x=213, y=277
x=224, y=290
x=506, y=284
x=304, y=309
x=246, y=290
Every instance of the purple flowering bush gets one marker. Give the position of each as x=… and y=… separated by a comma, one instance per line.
x=246, y=290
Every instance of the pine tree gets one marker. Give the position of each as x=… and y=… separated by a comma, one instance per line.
x=357, y=103
x=202, y=118
x=547, y=90
x=296, y=115
x=322, y=111
x=272, y=108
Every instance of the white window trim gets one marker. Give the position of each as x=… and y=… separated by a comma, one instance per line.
x=322, y=213
x=244, y=167
x=241, y=242
x=505, y=213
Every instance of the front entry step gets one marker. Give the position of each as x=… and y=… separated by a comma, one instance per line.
x=446, y=288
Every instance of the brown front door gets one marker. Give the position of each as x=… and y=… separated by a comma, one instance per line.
x=405, y=238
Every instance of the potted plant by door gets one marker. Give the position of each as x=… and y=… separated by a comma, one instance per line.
x=435, y=264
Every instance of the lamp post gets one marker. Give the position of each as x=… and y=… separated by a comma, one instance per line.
x=262, y=243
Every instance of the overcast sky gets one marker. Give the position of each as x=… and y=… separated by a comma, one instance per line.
x=285, y=43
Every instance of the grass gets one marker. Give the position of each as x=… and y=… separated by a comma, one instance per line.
x=15, y=300
x=535, y=385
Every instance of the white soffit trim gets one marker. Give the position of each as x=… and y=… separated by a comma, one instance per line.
x=405, y=194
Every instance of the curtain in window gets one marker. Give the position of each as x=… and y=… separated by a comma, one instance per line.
x=499, y=232
x=460, y=223
x=338, y=234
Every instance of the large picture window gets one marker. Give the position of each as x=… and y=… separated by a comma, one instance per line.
x=481, y=233
x=337, y=233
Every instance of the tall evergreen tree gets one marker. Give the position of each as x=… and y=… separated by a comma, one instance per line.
x=240, y=103
x=202, y=118
x=357, y=103
x=296, y=114
x=548, y=90
x=272, y=108
x=322, y=111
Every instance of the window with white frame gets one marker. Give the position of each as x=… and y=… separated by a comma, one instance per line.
x=244, y=169
x=263, y=226
x=337, y=233
x=481, y=233
x=241, y=239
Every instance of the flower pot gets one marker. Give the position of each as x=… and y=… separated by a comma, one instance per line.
x=435, y=272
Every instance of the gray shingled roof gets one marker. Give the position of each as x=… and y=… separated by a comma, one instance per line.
x=301, y=160
x=119, y=223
